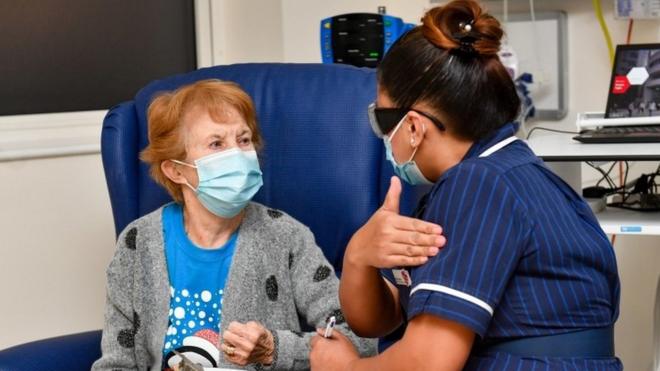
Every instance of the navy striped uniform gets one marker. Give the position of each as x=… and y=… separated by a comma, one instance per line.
x=525, y=256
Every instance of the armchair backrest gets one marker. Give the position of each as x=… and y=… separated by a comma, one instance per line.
x=321, y=162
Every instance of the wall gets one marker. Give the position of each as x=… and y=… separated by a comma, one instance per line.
x=56, y=225
x=57, y=238
x=247, y=31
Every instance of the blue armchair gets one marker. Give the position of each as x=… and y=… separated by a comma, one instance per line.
x=321, y=164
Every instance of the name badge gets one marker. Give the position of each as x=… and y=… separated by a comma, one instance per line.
x=402, y=277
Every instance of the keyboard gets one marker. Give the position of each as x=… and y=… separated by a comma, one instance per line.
x=621, y=134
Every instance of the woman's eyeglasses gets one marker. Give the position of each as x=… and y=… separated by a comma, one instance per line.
x=384, y=120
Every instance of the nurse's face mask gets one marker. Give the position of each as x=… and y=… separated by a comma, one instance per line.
x=385, y=120
x=227, y=180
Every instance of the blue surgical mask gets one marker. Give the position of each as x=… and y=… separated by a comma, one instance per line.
x=408, y=171
x=227, y=180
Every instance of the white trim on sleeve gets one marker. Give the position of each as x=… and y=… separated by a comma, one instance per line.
x=452, y=292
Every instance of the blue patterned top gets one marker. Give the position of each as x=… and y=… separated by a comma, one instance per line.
x=197, y=278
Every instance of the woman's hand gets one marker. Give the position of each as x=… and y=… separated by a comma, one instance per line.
x=248, y=343
x=390, y=240
x=335, y=353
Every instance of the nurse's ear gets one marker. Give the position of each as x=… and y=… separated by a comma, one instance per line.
x=416, y=128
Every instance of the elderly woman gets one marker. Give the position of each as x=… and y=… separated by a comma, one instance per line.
x=212, y=277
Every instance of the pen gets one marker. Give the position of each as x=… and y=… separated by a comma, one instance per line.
x=329, y=326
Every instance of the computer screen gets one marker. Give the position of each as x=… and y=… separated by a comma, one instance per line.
x=635, y=84
x=80, y=55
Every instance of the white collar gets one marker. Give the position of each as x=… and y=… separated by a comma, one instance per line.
x=497, y=146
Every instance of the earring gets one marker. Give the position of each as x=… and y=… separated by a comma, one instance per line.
x=412, y=141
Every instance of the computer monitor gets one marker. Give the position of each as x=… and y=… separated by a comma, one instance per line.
x=635, y=83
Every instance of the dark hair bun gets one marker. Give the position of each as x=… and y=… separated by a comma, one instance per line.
x=461, y=25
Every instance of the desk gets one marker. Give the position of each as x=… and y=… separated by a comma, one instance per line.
x=556, y=147
x=561, y=147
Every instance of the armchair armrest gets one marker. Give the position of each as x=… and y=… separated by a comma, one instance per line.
x=66, y=353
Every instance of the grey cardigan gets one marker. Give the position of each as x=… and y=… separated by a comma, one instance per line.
x=279, y=277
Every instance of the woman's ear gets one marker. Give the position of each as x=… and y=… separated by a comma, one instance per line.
x=416, y=128
x=172, y=172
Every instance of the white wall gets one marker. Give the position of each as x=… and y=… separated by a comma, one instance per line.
x=56, y=238
x=247, y=31
x=56, y=224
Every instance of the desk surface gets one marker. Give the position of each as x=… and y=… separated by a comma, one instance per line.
x=562, y=147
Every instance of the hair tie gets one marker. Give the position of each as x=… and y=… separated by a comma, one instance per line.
x=466, y=38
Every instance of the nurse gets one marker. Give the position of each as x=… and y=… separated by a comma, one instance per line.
x=527, y=279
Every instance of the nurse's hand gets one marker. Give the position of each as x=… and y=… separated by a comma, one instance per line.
x=391, y=240
x=335, y=353
x=244, y=343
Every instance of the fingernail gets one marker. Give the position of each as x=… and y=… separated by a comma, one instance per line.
x=433, y=250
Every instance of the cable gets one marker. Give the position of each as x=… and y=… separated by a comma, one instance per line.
x=529, y=134
x=605, y=175
x=606, y=32
x=653, y=182
x=625, y=181
x=628, y=38
x=624, y=204
x=630, y=28
x=608, y=173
